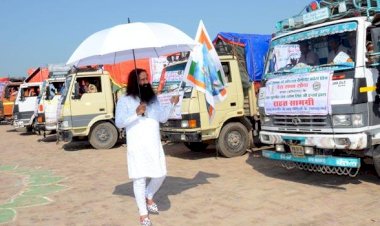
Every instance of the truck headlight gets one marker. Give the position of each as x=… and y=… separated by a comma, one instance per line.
x=357, y=120
x=192, y=123
x=64, y=124
x=265, y=119
x=184, y=123
x=341, y=120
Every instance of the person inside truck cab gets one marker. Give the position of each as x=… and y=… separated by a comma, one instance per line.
x=90, y=88
x=32, y=92
x=13, y=93
x=335, y=48
x=308, y=56
x=82, y=86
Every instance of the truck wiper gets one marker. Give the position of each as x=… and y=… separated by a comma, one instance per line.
x=282, y=72
x=335, y=65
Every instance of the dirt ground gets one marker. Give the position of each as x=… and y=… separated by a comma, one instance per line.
x=42, y=183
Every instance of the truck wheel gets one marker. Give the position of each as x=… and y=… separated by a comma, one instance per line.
x=376, y=160
x=196, y=146
x=103, y=136
x=233, y=140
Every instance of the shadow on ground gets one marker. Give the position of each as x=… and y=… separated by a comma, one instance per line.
x=179, y=150
x=48, y=138
x=273, y=169
x=171, y=186
x=78, y=145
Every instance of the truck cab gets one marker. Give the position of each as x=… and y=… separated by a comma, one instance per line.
x=49, y=99
x=234, y=123
x=322, y=114
x=89, y=114
x=48, y=104
x=26, y=105
x=7, y=99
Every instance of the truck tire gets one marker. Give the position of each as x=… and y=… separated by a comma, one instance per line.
x=233, y=140
x=196, y=146
x=103, y=136
x=376, y=160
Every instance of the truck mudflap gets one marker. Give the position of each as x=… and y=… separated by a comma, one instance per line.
x=323, y=164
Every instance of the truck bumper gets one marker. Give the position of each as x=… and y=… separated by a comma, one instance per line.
x=64, y=135
x=18, y=124
x=181, y=137
x=317, y=160
x=39, y=127
x=357, y=141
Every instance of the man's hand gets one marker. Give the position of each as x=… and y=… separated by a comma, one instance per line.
x=174, y=100
x=140, y=110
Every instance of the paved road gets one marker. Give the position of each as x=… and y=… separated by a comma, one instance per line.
x=42, y=183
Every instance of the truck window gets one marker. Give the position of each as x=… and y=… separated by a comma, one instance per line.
x=227, y=72
x=89, y=85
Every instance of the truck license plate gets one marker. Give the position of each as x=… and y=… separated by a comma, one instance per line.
x=297, y=151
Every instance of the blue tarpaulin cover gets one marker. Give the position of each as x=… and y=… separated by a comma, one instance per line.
x=255, y=47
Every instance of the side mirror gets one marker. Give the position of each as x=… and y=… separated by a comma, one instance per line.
x=373, y=48
x=7, y=94
x=22, y=96
x=47, y=93
x=76, y=95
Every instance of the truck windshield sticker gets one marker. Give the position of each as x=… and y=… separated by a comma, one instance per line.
x=301, y=94
x=314, y=33
x=285, y=54
x=164, y=100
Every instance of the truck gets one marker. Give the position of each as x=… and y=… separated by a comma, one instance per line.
x=91, y=116
x=324, y=117
x=46, y=115
x=25, y=106
x=7, y=99
x=236, y=122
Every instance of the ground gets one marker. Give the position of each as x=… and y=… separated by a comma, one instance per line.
x=43, y=183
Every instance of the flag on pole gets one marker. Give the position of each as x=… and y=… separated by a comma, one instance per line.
x=205, y=72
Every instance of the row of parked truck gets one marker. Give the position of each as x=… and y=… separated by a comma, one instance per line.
x=321, y=117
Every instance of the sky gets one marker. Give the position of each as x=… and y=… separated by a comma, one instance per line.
x=35, y=33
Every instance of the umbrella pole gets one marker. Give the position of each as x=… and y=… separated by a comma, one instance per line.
x=134, y=62
x=137, y=77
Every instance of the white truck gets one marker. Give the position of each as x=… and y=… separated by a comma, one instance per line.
x=25, y=106
x=49, y=99
x=324, y=116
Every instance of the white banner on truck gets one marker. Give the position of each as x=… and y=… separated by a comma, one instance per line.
x=302, y=94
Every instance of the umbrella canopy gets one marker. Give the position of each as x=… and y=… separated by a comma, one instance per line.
x=128, y=41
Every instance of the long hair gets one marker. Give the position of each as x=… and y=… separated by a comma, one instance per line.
x=145, y=92
x=133, y=82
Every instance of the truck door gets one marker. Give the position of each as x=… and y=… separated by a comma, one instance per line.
x=231, y=103
x=90, y=101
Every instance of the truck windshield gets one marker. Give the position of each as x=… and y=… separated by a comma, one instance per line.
x=172, y=79
x=332, y=47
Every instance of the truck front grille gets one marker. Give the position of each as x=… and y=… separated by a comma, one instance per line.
x=172, y=123
x=300, y=121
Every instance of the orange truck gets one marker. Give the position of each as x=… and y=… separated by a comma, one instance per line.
x=8, y=93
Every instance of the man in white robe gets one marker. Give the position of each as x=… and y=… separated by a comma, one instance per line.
x=140, y=113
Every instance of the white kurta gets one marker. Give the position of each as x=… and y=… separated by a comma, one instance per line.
x=145, y=154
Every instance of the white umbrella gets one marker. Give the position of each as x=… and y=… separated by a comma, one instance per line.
x=130, y=41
